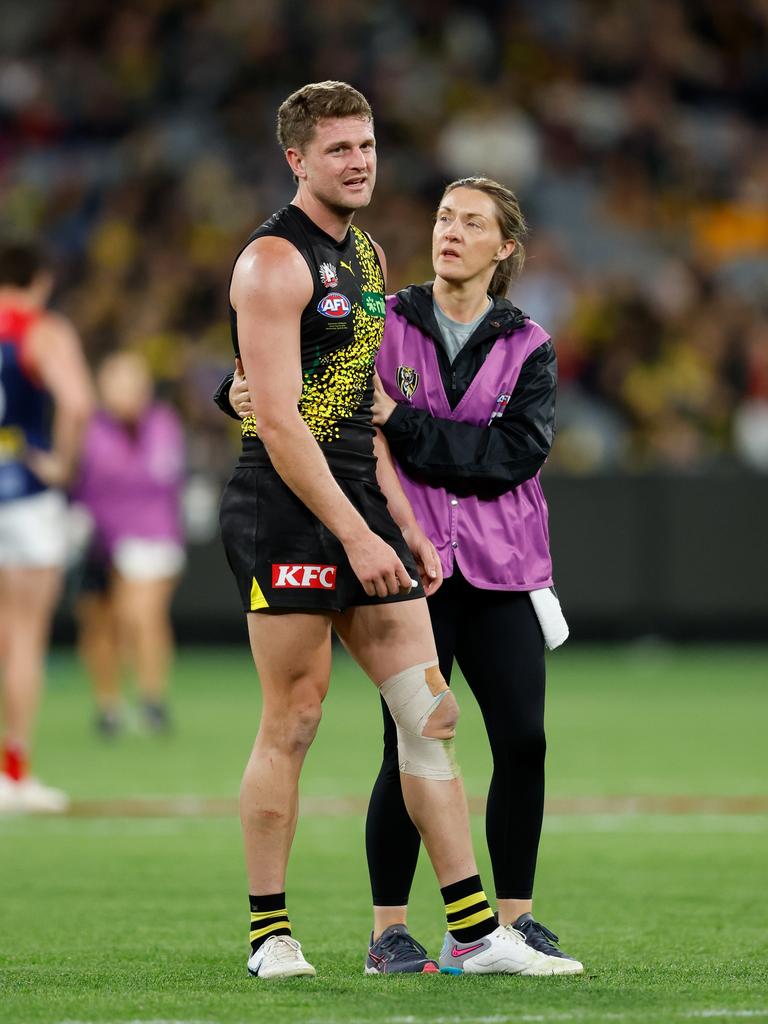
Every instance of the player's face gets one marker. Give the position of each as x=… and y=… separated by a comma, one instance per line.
x=466, y=241
x=338, y=164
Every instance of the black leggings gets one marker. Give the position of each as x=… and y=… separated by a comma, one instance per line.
x=496, y=640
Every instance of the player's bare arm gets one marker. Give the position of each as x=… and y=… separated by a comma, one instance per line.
x=420, y=546
x=271, y=286
x=57, y=358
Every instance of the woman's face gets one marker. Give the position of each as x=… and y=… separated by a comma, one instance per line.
x=466, y=241
x=125, y=387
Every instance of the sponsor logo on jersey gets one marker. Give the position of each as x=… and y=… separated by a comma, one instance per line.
x=334, y=305
x=347, y=266
x=304, y=577
x=407, y=380
x=374, y=304
x=329, y=275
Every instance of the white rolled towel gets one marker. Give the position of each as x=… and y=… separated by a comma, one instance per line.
x=550, y=615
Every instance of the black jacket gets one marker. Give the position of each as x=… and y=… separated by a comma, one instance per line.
x=460, y=456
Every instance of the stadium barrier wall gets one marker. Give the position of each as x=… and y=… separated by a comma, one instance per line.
x=635, y=556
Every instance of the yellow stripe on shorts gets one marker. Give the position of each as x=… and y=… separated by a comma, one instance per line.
x=257, y=597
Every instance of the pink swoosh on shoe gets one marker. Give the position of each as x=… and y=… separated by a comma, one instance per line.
x=467, y=949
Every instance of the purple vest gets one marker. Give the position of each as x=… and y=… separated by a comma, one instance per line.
x=499, y=544
x=132, y=485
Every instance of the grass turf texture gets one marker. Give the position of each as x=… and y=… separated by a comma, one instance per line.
x=145, y=919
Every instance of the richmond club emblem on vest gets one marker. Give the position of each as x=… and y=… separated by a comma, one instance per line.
x=407, y=380
x=328, y=275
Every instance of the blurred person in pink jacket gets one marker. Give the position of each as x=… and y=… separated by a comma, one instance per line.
x=130, y=484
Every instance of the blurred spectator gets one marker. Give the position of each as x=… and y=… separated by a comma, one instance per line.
x=138, y=140
x=130, y=483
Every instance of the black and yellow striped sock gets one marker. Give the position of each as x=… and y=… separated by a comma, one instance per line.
x=469, y=915
x=268, y=917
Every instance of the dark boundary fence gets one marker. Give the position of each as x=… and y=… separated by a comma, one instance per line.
x=681, y=558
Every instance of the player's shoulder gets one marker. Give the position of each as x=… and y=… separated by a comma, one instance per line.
x=270, y=263
x=268, y=250
x=51, y=329
x=51, y=320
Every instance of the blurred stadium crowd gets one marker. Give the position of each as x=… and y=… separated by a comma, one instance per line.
x=138, y=140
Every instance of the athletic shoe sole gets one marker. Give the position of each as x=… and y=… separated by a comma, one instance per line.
x=426, y=969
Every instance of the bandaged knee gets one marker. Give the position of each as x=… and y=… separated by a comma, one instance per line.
x=411, y=696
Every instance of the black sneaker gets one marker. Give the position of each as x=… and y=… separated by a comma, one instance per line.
x=542, y=939
x=108, y=724
x=397, y=952
x=156, y=717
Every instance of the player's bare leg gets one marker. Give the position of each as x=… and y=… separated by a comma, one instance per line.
x=385, y=639
x=292, y=654
x=99, y=649
x=29, y=596
x=393, y=643
x=143, y=611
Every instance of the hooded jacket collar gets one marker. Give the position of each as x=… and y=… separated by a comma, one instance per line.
x=415, y=304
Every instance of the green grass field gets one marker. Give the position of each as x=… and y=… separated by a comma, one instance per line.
x=144, y=918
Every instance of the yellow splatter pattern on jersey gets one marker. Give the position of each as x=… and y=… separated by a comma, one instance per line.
x=334, y=391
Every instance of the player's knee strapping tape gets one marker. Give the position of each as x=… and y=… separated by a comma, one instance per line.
x=411, y=700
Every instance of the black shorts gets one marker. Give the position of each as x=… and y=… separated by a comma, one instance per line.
x=284, y=558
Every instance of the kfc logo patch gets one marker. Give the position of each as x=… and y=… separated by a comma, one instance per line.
x=305, y=577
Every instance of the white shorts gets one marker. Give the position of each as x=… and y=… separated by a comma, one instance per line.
x=33, y=531
x=136, y=558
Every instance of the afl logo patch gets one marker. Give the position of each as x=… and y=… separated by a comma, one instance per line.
x=334, y=305
x=407, y=380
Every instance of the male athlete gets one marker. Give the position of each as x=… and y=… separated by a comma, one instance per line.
x=42, y=370
x=319, y=536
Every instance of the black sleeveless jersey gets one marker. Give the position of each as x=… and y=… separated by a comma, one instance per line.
x=341, y=330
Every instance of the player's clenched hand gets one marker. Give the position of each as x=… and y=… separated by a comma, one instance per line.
x=427, y=559
x=377, y=566
x=239, y=396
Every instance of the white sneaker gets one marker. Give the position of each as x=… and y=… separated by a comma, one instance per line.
x=279, y=957
x=8, y=800
x=504, y=951
x=32, y=797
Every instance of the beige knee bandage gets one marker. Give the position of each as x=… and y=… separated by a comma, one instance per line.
x=412, y=695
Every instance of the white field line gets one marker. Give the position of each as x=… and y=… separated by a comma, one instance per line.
x=600, y=824
x=547, y=1017
x=148, y=806
x=517, y=1018
x=727, y=824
